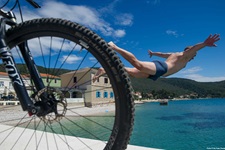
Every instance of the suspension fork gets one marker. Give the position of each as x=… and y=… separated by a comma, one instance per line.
x=32, y=68
x=17, y=82
x=15, y=77
x=47, y=105
x=10, y=67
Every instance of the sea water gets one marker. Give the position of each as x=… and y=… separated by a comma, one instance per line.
x=181, y=125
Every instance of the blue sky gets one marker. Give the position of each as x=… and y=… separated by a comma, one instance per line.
x=159, y=25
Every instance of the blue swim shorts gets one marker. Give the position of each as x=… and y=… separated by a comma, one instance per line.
x=161, y=69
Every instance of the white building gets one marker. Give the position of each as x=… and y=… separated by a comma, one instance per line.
x=6, y=87
x=78, y=84
x=7, y=92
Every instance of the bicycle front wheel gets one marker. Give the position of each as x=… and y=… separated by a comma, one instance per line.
x=94, y=115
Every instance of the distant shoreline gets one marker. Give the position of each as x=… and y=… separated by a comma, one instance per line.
x=175, y=99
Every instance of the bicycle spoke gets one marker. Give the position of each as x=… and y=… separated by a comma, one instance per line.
x=86, y=117
x=13, y=128
x=21, y=134
x=50, y=56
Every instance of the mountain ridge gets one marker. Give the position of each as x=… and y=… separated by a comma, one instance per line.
x=180, y=86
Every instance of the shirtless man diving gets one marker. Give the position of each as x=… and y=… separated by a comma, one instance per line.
x=153, y=70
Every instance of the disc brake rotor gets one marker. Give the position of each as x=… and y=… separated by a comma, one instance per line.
x=58, y=99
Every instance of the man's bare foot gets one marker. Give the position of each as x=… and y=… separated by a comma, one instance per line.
x=99, y=73
x=111, y=44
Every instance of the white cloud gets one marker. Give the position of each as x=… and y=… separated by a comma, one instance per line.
x=72, y=59
x=109, y=8
x=120, y=33
x=93, y=59
x=172, y=32
x=191, y=70
x=194, y=74
x=124, y=19
x=81, y=14
x=200, y=78
x=39, y=47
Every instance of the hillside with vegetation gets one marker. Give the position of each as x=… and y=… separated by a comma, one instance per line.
x=178, y=87
x=163, y=87
x=23, y=70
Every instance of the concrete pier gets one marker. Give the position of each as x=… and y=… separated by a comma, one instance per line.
x=46, y=141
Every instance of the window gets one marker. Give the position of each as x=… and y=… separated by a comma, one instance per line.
x=47, y=79
x=10, y=85
x=111, y=95
x=105, y=94
x=55, y=80
x=74, y=79
x=1, y=83
x=98, y=94
x=106, y=80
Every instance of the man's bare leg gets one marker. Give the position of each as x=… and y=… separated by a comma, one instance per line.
x=136, y=73
x=127, y=55
x=99, y=73
x=143, y=66
x=131, y=71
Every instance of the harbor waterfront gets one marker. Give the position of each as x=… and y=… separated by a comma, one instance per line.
x=197, y=124
x=181, y=125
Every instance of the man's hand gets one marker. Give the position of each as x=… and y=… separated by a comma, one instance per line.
x=210, y=41
x=150, y=53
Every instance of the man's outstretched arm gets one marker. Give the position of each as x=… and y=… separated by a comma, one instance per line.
x=159, y=54
x=210, y=41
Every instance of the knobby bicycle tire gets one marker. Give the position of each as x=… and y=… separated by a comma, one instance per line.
x=98, y=48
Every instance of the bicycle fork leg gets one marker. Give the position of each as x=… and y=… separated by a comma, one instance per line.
x=15, y=78
x=31, y=66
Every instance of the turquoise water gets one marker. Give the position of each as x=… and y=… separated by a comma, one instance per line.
x=181, y=125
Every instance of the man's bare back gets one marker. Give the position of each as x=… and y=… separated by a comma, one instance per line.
x=175, y=62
